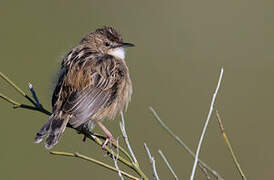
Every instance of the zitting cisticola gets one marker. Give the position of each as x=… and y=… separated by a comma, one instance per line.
x=93, y=85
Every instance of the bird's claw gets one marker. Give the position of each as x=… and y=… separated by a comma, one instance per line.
x=108, y=139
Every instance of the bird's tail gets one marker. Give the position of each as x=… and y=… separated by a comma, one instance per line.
x=55, y=127
x=43, y=131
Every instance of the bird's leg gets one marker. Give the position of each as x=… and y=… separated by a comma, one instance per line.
x=107, y=132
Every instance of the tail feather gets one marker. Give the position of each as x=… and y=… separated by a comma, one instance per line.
x=55, y=128
x=43, y=131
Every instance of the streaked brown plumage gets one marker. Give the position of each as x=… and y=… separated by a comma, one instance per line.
x=93, y=85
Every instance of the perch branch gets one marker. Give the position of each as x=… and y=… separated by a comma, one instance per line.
x=115, y=145
x=35, y=106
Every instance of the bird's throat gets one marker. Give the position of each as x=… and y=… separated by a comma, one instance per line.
x=118, y=52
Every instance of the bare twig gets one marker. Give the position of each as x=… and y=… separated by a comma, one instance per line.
x=236, y=162
x=131, y=155
x=205, y=126
x=16, y=88
x=12, y=84
x=121, y=159
x=34, y=95
x=152, y=162
x=179, y=140
x=23, y=106
x=78, y=155
x=8, y=99
x=131, y=165
x=124, y=133
x=116, y=161
x=204, y=170
x=35, y=107
x=168, y=165
x=115, y=145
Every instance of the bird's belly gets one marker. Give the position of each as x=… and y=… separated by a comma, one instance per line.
x=116, y=105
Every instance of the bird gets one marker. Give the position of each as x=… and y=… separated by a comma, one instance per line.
x=93, y=85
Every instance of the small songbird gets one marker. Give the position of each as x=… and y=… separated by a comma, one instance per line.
x=93, y=85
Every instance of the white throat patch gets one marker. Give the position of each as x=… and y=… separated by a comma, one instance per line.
x=118, y=52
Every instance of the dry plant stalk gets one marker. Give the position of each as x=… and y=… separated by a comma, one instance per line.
x=205, y=126
x=236, y=162
x=78, y=155
x=152, y=162
x=168, y=165
x=204, y=167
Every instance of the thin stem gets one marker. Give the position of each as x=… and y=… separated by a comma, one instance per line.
x=12, y=84
x=24, y=106
x=180, y=141
x=124, y=133
x=152, y=162
x=8, y=99
x=204, y=170
x=124, y=161
x=99, y=142
x=123, y=151
x=78, y=155
x=131, y=155
x=115, y=145
x=34, y=108
x=236, y=162
x=34, y=95
x=115, y=160
x=16, y=88
x=205, y=126
x=168, y=165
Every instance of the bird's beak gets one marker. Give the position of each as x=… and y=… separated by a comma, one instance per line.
x=126, y=45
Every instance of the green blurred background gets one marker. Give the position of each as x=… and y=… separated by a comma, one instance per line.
x=180, y=49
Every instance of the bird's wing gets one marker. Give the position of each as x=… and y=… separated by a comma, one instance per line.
x=95, y=90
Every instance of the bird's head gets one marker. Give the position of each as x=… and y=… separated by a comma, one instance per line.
x=107, y=40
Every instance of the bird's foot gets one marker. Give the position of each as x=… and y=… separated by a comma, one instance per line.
x=110, y=139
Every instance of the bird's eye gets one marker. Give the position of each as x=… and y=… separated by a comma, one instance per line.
x=107, y=44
